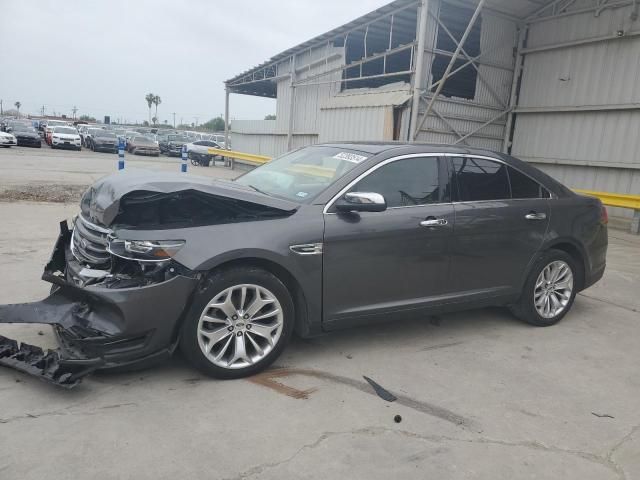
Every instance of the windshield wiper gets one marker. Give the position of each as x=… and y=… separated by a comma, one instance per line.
x=258, y=190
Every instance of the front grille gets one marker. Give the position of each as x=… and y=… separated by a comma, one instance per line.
x=89, y=242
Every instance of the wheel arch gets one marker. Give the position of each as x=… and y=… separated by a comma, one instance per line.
x=575, y=251
x=300, y=306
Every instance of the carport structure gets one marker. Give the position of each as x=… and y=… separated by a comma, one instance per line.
x=554, y=82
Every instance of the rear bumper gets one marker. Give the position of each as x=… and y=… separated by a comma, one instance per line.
x=97, y=327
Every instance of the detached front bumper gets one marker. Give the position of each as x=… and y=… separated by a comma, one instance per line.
x=98, y=327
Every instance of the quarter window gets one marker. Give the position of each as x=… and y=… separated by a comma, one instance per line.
x=525, y=187
x=480, y=179
x=413, y=181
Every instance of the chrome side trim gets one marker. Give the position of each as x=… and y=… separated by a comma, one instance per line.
x=307, y=249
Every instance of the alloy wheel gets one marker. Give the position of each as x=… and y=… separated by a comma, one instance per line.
x=553, y=289
x=240, y=326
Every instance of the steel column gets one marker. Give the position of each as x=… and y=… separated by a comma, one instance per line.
x=226, y=119
x=448, y=69
x=291, y=102
x=517, y=70
x=418, y=76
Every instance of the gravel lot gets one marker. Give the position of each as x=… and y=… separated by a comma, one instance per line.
x=480, y=395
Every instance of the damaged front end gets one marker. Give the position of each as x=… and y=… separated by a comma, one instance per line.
x=122, y=313
x=119, y=300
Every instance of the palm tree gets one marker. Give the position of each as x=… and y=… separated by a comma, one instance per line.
x=157, y=101
x=150, y=98
x=18, y=105
x=154, y=120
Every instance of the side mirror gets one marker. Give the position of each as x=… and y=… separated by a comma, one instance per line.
x=361, y=202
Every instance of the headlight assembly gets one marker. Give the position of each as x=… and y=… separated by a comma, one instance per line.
x=144, y=250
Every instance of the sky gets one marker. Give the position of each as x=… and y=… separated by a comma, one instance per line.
x=104, y=56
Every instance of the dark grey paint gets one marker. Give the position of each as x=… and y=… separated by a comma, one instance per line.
x=375, y=266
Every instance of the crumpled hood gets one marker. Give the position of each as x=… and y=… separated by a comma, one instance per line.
x=101, y=202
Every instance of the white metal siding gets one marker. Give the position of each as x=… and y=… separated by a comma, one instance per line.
x=357, y=124
x=595, y=150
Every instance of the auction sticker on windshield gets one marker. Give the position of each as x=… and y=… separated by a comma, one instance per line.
x=350, y=157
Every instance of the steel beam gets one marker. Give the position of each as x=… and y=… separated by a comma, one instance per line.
x=419, y=76
x=620, y=4
x=292, y=100
x=473, y=63
x=485, y=124
x=575, y=43
x=513, y=97
x=226, y=117
x=475, y=15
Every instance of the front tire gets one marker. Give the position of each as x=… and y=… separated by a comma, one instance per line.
x=550, y=289
x=239, y=323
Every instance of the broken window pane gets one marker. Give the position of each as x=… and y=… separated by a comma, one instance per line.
x=463, y=83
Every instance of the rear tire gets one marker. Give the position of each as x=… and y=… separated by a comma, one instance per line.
x=237, y=337
x=550, y=289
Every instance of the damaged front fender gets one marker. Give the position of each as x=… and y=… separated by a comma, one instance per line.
x=97, y=327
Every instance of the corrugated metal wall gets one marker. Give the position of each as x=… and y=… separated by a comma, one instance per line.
x=356, y=123
x=596, y=150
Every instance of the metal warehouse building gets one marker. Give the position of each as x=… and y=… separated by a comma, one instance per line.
x=553, y=82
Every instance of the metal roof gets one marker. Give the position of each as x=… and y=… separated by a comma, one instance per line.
x=516, y=9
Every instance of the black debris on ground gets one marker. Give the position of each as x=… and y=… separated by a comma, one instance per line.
x=381, y=391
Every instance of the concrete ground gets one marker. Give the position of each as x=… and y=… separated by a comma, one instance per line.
x=480, y=395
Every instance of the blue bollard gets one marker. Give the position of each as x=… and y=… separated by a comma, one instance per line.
x=121, y=154
x=184, y=159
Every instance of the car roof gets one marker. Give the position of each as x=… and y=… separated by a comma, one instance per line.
x=404, y=148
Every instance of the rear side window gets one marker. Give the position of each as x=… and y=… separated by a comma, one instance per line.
x=480, y=179
x=413, y=181
x=525, y=187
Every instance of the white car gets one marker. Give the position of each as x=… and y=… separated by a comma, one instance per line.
x=7, y=140
x=66, y=137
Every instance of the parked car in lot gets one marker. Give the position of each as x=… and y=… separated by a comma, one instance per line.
x=104, y=141
x=50, y=125
x=65, y=137
x=175, y=143
x=198, y=152
x=7, y=140
x=323, y=238
x=26, y=135
x=141, y=145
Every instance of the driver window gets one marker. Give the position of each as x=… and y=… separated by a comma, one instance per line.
x=403, y=183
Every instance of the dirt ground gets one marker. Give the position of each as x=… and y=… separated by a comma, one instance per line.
x=479, y=394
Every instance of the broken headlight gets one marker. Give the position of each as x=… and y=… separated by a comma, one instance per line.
x=144, y=250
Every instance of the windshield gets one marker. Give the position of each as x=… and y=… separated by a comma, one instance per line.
x=22, y=128
x=303, y=174
x=66, y=130
x=105, y=134
x=142, y=139
x=178, y=138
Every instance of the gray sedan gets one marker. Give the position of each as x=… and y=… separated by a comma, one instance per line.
x=322, y=238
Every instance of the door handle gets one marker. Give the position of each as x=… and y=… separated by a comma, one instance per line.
x=434, y=222
x=535, y=216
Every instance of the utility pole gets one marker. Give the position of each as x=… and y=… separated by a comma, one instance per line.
x=74, y=110
x=42, y=110
x=174, y=119
x=0, y=106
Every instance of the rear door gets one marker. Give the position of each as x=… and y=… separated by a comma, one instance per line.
x=379, y=263
x=502, y=216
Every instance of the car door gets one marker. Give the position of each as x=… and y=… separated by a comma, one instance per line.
x=380, y=263
x=499, y=228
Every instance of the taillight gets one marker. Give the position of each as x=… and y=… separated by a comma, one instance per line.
x=604, y=216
